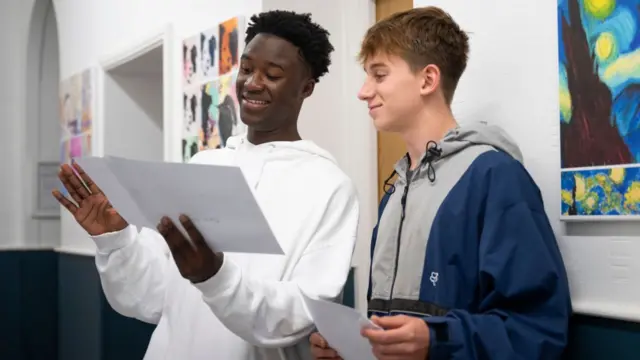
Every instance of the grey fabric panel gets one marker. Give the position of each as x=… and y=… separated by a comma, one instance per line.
x=423, y=201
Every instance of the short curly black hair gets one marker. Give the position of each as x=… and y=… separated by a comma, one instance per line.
x=298, y=29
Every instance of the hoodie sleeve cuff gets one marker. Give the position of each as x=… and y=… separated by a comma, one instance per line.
x=218, y=285
x=116, y=240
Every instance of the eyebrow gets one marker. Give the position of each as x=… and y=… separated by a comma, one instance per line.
x=270, y=63
x=375, y=66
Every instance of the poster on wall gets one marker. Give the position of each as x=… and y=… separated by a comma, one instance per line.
x=211, y=112
x=76, y=115
x=599, y=63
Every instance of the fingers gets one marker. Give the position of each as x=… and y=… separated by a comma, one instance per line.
x=385, y=337
x=87, y=180
x=390, y=322
x=63, y=175
x=317, y=340
x=325, y=354
x=194, y=234
x=72, y=183
x=391, y=350
x=177, y=243
x=320, y=348
x=65, y=202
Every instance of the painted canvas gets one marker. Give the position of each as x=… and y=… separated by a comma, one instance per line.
x=599, y=64
x=209, y=44
x=191, y=61
x=192, y=118
x=229, y=123
x=605, y=191
x=210, y=68
x=208, y=135
x=229, y=33
x=76, y=116
x=599, y=58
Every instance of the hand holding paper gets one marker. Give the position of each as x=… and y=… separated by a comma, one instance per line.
x=341, y=326
x=216, y=199
x=196, y=261
x=399, y=337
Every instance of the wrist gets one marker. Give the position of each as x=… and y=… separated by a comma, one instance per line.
x=213, y=267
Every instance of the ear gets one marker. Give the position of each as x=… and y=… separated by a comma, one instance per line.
x=307, y=90
x=430, y=79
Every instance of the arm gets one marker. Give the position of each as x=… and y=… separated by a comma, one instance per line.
x=270, y=313
x=133, y=271
x=524, y=294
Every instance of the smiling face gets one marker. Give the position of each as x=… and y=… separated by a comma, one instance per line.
x=394, y=93
x=272, y=82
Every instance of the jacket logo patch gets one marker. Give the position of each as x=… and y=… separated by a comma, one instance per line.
x=433, y=278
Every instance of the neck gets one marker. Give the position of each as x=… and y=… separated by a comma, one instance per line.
x=258, y=136
x=429, y=126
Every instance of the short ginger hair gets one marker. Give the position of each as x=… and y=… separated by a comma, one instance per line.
x=421, y=36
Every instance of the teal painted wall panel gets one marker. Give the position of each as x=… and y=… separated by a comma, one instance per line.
x=52, y=308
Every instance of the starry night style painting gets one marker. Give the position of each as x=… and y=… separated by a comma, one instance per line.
x=599, y=62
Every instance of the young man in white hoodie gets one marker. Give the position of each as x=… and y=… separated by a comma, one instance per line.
x=209, y=305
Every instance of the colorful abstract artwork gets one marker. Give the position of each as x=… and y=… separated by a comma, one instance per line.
x=76, y=116
x=612, y=191
x=599, y=64
x=210, y=67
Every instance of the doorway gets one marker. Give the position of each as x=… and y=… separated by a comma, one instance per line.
x=42, y=129
x=133, y=106
x=390, y=146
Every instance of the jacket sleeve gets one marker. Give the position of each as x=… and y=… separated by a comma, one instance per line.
x=133, y=270
x=272, y=313
x=524, y=293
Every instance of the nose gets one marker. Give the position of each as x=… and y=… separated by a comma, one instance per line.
x=254, y=82
x=366, y=91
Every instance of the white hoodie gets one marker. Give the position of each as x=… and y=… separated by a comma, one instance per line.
x=252, y=309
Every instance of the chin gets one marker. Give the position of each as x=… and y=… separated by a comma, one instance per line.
x=384, y=125
x=250, y=119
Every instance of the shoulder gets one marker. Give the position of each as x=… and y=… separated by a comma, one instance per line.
x=212, y=157
x=504, y=180
x=322, y=173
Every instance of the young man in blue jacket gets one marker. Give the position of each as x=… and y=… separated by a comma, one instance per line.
x=463, y=255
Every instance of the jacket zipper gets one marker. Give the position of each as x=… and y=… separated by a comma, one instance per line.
x=403, y=203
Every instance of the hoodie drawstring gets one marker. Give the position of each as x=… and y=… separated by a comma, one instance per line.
x=432, y=154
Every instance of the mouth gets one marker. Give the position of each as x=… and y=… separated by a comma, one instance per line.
x=254, y=104
x=373, y=107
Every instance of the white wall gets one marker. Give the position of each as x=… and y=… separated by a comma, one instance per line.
x=512, y=81
x=27, y=109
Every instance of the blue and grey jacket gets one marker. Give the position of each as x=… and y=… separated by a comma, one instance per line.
x=464, y=241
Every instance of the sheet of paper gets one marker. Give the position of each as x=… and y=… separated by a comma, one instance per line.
x=216, y=198
x=340, y=326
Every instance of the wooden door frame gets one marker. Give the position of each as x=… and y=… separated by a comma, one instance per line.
x=390, y=147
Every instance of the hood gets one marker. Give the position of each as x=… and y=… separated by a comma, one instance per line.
x=455, y=141
x=478, y=134
x=280, y=150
